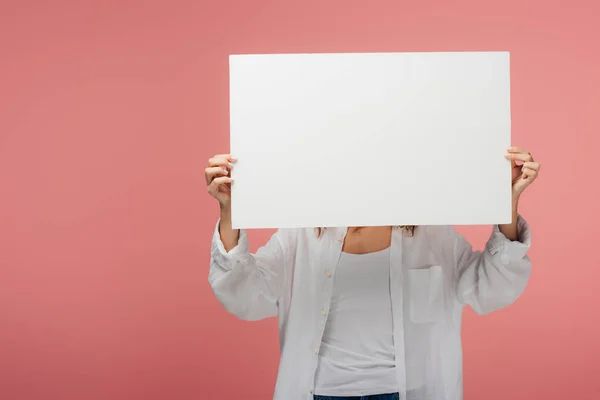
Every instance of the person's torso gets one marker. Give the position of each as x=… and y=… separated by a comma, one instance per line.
x=356, y=356
x=425, y=315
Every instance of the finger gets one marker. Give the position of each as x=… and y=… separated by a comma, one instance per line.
x=212, y=172
x=529, y=173
x=515, y=149
x=229, y=157
x=518, y=157
x=219, y=161
x=213, y=188
x=532, y=165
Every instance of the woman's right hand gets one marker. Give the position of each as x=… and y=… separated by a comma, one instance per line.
x=218, y=178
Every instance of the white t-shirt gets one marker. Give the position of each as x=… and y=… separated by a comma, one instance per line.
x=356, y=356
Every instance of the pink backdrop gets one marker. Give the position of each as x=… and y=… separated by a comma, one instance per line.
x=108, y=113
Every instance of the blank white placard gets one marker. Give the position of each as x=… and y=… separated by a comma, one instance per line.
x=367, y=139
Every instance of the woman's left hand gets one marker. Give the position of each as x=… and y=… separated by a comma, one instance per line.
x=523, y=174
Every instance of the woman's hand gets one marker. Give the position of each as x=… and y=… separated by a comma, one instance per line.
x=218, y=178
x=524, y=173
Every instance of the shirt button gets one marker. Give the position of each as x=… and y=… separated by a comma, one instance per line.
x=340, y=239
x=323, y=312
x=316, y=350
x=505, y=258
x=310, y=390
x=328, y=274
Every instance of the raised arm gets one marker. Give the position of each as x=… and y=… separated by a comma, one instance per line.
x=247, y=285
x=496, y=277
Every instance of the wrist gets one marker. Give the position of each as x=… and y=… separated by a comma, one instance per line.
x=225, y=211
x=515, y=202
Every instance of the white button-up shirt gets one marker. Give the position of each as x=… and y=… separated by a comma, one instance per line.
x=433, y=274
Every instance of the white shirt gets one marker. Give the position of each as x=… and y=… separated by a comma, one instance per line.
x=432, y=276
x=356, y=357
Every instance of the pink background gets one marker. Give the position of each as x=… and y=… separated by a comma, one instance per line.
x=108, y=113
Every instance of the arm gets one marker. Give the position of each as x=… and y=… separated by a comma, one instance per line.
x=229, y=236
x=247, y=285
x=496, y=277
x=511, y=231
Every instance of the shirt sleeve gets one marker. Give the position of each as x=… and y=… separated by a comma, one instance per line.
x=249, y=285
x=494, y=278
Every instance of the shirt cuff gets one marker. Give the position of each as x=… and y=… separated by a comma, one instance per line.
x=227, y=258
x=507, y=249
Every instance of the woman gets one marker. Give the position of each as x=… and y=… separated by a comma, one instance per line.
x=368, y=312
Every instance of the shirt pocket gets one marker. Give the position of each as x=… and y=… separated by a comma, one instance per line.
x=425, y=294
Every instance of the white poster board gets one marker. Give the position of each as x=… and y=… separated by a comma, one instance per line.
x=370, y=139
